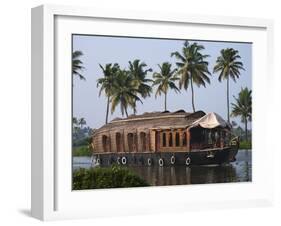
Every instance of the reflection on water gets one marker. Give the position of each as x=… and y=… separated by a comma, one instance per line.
x=240, y=170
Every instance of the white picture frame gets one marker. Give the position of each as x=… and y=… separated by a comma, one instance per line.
x=52, y=197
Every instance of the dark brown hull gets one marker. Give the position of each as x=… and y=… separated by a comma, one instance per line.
x=196, y=157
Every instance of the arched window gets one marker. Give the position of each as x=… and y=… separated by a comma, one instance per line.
x=177, y=139
x=118, y=138
x=135, y=142
x=143, y=141
x=164, y=139
x=105, y=143
x=170, y=139
x=184, y=139
x=130, y=138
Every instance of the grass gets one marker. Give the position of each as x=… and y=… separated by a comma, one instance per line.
x=111, y=177
x=245, y=145
x=83, y=150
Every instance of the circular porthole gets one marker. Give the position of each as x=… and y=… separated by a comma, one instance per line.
x=161, y=162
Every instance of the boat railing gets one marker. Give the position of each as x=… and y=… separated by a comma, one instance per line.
x=208, y=146
x=234, y=141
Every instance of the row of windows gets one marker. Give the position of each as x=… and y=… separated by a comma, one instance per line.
x=170, y=139
x=136, y=142
x=132, y=142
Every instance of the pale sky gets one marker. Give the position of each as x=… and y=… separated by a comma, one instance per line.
x=102, y=50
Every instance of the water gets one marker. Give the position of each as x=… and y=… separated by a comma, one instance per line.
x=238, y=171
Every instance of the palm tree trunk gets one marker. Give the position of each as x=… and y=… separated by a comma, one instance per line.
x=107, y=110
x=227, y=88
x=126, y=112
x=246, y=129
x=192, y=93
x=135, y=109
x=165, y=101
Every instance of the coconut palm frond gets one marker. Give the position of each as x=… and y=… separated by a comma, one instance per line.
x=228, y=65
x=77, y=64
x=192, y=67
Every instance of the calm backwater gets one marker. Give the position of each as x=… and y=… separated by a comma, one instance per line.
x=238, y=171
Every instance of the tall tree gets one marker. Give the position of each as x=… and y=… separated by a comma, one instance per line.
x=74, y=121
x=165, y=80
x=243, y=107
x=124, y=92
x=106, y=83
x=192, y=67
x=228, y=66
x=141, y=82
x=77, y=64
x=75, y=126
x=81, y=122
x=233, y=123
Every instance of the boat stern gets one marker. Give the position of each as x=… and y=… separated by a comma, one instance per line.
x=234, y=146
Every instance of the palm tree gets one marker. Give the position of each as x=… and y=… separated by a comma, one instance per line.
x=124, y=92
x=75, y=126
x=165, y=80
x=77, y=64
x=233, y=123
x=192, y=67
x=243, y=107
x=139, y=75
x=81, y=122
x=74, y=121
x=106, y=83
x=229, y=66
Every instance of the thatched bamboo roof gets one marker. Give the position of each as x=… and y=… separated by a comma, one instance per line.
x=155, y=120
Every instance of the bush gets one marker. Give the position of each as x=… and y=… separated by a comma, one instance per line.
x=112, y=177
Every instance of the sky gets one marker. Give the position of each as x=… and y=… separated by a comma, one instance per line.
x=102, y=50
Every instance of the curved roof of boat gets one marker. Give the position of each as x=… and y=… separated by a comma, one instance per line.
x=155, y=120
x=210, y=121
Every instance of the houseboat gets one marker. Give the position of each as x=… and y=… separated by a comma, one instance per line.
x=165, y=139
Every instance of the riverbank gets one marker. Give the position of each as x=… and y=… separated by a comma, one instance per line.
x=111, y=177
x=246, y=145
x=83, y=150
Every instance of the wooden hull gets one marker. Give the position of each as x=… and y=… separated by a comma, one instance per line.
x=196, y=157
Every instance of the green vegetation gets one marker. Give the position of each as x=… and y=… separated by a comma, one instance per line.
x=81, y=122
x=124, y=92
x=77, y=64
x=228, y=66
x=192, y=67
x=165, y=80
x=81, y=151
x=124, y=87
x=245, y=145
x=238, y=131
x=82, y=142
x=112, y=177
x=140, y=81
x=243, y=107
x=106, y=83
x=81, y=134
